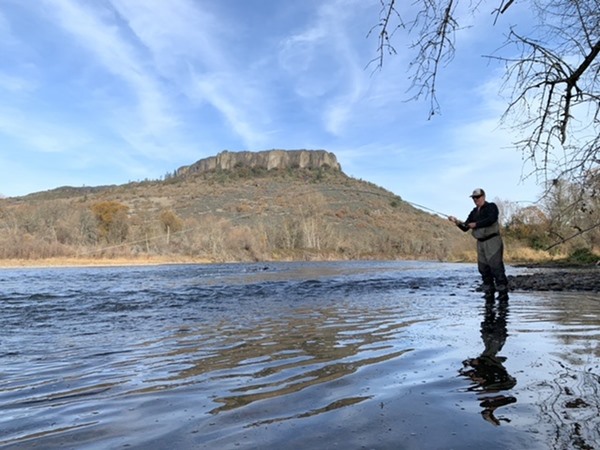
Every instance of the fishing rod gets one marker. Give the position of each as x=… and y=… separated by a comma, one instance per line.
x=560, y=242
x=426, y=208
x=392, y=195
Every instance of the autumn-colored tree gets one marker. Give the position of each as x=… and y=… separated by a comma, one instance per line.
x=112, y=220
x=171, y=223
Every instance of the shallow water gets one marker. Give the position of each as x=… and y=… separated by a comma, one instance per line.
x=402, y=355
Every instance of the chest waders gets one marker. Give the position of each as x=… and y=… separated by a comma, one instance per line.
x=490, y=262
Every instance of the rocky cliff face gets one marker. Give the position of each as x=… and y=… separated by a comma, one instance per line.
x=269, y=159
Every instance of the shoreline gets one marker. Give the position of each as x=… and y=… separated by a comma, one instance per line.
x=543, y=276
x=95, y=262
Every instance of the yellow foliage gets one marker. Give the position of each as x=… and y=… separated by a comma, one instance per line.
x=112, y=219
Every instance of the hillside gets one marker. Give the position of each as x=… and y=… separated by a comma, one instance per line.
x=244, y=213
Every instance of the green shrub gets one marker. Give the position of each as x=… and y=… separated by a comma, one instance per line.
x=583, y=256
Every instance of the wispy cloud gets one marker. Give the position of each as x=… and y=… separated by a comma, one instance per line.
x=324, y=62
x=237, y=107
x=95, y=29
x=188, y=46
x=34, y=133
x=135, y=88
x=176, y=33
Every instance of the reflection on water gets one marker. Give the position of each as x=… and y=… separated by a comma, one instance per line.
x=319, y=356
x=279, y=357
x=568, y=396
x=487, y=371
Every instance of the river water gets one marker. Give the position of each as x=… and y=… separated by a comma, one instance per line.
x=350, y=355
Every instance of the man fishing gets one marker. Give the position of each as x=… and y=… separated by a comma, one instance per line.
x=483, y=223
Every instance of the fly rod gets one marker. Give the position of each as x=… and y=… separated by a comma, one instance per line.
x=391, y=195
x=426, y=208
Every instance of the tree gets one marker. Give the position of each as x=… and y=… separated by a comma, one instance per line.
x=531, y=225
x=112, y=220
x=574, y=214
x=553, y=83
x=171, y=223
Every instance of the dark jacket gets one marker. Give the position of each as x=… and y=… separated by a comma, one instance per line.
x=486, y=221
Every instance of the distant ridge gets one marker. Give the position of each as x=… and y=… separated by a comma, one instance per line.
x=235, y=206
x=267, y=159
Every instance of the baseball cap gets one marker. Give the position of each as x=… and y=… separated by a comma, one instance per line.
x=477, y=193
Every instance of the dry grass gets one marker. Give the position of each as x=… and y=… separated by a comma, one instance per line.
x=520, y=254
x=98, y=262
x=290, y=214
x=514, y=253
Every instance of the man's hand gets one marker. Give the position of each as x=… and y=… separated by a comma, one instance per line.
x=455, y=221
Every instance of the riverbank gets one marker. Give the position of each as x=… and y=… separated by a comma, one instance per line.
x=97, y=262
x=557, y=277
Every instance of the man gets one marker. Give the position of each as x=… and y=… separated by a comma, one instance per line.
x=483, y=223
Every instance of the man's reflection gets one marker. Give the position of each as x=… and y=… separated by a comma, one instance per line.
x=487, y=370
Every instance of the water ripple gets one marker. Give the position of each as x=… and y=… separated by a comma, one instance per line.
x=297, y=355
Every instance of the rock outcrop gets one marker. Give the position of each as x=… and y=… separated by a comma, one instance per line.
x=268, y=159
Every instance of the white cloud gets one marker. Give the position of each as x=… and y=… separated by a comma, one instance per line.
x=96, y=30
x=17, y=84
x=177, y=33
x=188, y=44
x=38, y=134
x=6, y=36
x=136, y=87
x=324, y=61
x=233, y=106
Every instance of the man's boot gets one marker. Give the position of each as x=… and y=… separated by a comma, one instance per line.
x=488, y=291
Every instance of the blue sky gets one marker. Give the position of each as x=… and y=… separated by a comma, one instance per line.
x=101, y=92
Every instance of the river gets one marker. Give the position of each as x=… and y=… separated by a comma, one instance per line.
x=350, y=355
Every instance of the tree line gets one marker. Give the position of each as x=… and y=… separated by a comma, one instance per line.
x=110, y=228
x=566, y=219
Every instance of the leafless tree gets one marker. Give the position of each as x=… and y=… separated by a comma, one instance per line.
x=553, y=82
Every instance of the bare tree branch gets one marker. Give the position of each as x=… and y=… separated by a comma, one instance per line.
x=435, y=47
x=553, y=82
x=553, y=79
x=502, y=9
x=387, y=13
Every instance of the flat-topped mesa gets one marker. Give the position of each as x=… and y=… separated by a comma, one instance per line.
x=268, y=159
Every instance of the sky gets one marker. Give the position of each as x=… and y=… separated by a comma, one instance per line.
x=100, y=92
